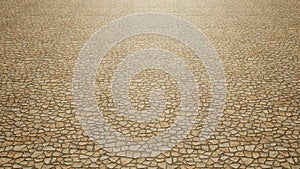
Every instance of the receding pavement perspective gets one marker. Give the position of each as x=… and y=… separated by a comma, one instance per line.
x=150, y=84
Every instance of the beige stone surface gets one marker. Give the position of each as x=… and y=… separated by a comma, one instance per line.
x=258, y=42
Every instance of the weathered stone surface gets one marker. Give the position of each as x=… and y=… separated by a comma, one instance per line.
x=257, y=42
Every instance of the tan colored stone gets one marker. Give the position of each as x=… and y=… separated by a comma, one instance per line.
x=162, y=165
x=255, y=155
x=247, y=161
x=285, y=165
x=4, y=160
x=125, y=161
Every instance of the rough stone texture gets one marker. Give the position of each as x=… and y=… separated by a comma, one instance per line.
x=258, y=42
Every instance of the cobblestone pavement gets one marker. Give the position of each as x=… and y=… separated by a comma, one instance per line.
x=43, y=124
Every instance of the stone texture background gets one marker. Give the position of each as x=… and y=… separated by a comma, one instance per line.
x=258, y=42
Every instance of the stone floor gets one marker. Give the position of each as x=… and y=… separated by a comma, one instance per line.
x=155, y=101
